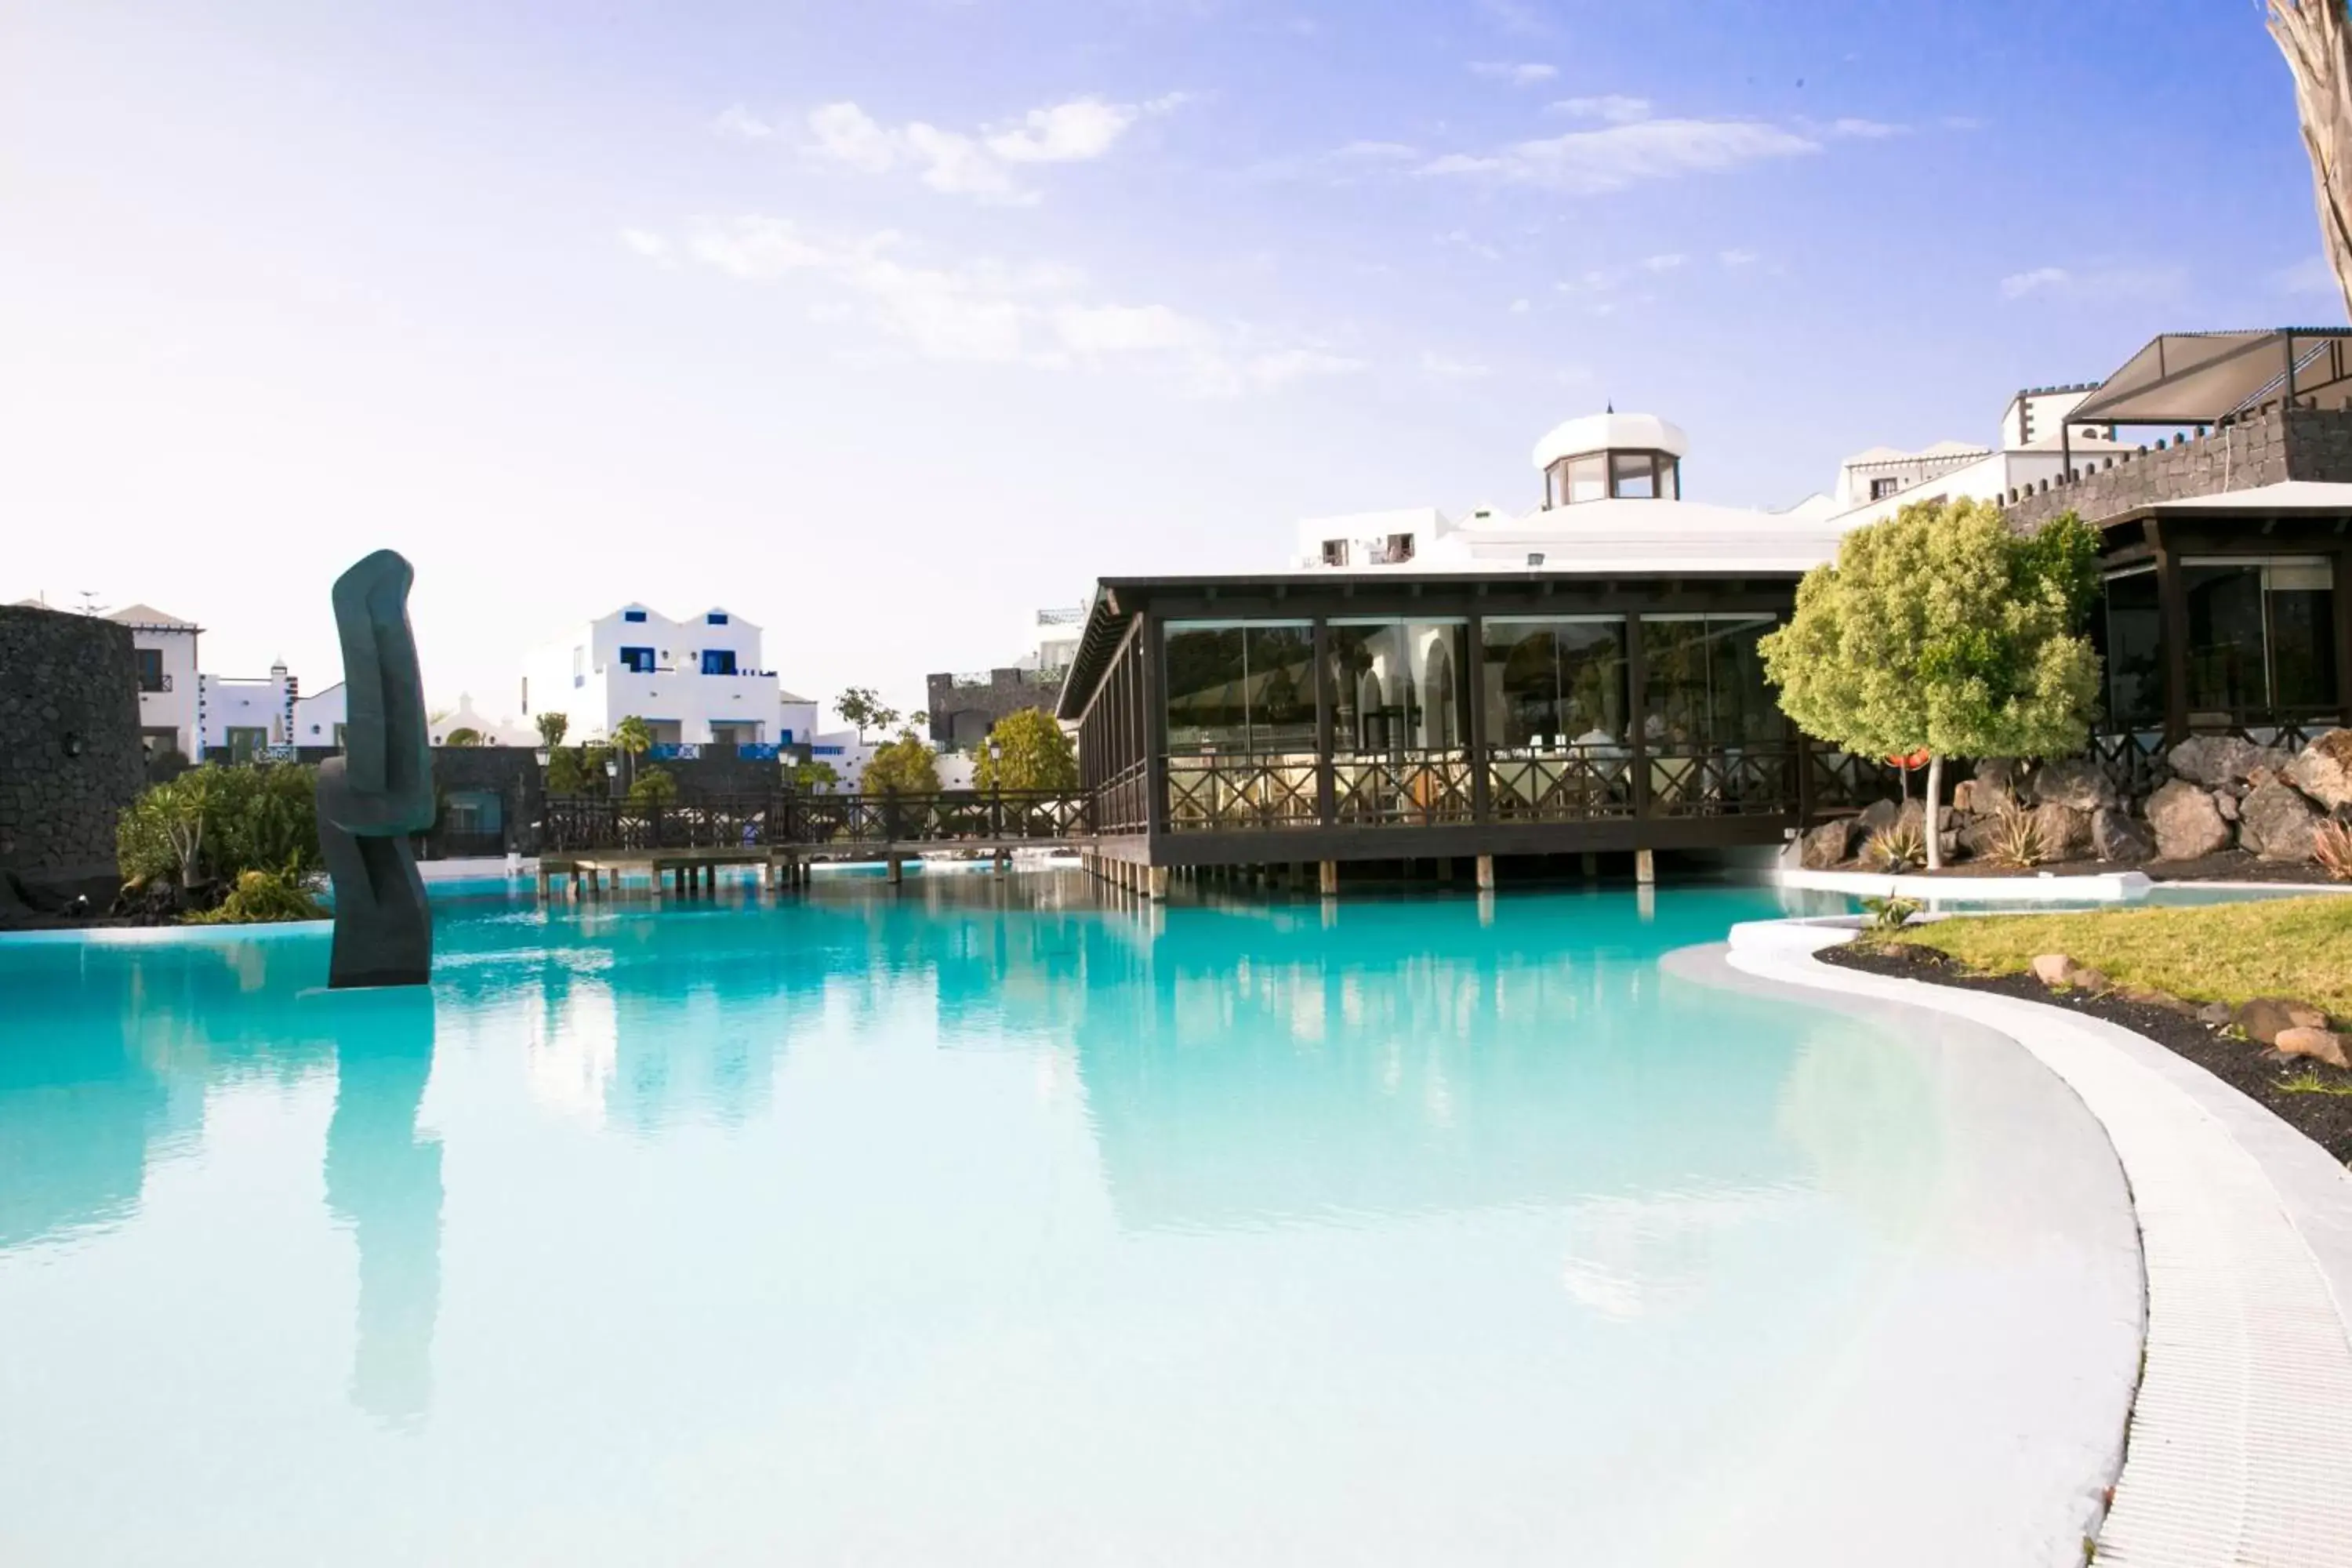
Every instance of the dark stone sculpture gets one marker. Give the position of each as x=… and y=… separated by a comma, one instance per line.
x=381, y=789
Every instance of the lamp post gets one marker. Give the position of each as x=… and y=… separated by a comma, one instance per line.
x=996, y=783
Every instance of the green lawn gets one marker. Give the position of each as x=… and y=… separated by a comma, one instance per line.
x=2216, y=953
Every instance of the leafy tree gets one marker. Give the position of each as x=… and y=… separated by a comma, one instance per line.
x=1034, y=755
x=906, y=764
x=654, y=787
x=814, y=775
x=576, y=770
x=464, y=735
x=864, y=708
x=553, y=728
x=633, y=740
x=217, y=823
x=1942, y=630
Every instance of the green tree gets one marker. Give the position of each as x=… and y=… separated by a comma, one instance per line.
x=654, y=787
x=1027, y=750
x=217, y=823
x=1942, y=630
x=864, y=708
x=553, y=728
x=464, y=735
x=814, y=775
x=633, y=740
x=905, y=764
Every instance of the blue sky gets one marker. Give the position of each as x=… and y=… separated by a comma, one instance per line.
x=883, y=322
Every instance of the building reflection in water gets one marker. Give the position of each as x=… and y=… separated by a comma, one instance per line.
x=384, y=1182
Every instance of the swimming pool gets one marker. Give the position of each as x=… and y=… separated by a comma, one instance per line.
x=989, y=1222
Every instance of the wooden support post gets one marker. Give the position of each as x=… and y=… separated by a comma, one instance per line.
x=897, y=870
x=1329, y=877
x=1591, y=867
x=1485, y=873
x=1646, y=867
x=1156, y=884
x=1003, y=861
x=1445, y=867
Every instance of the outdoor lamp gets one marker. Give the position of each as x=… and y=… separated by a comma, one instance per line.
x=73, y=743
x=612, y=767
x=543, y=756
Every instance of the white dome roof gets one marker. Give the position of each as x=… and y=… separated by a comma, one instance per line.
x=1611, y=432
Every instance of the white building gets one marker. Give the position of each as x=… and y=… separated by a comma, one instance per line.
x=318, y=717
x=165, y=647
x=2034, y=450
x=242, y=717
x=1613, y=498
x=695, y=682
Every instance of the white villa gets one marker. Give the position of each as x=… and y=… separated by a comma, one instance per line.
x=2035, y=449
x=697, y=681
x=199, y=715
x=1613, y=498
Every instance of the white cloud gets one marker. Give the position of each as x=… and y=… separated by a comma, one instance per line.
x=1591, y=162
x=1868, y=129
x=1521, y=307
x=985, y=312
x=979, y=166
x=2017, y=284
x=2310, y=276
x=741, y=123
x=1439, y=367
x=1462, y=239
x=1737, y=257
x=1517, y=17
x=1663, y=263
x=1379, y=151
x=1616, y=109
x=652, y=246
x=2104, y=283
x=1517, y=73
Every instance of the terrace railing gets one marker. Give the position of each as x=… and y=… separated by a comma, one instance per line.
x=1724, y=781
x=1214, y=790
x=1575, y=784
x=583, y=824
x=1418, y=789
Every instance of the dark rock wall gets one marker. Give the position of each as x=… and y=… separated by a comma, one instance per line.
x=963, y=712
x=2262, y=449
x=70, y=754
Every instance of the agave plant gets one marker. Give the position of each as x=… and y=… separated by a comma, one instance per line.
x=2331, y=845
x=1899, y=847
x=1887, y=916
x=2016, y=838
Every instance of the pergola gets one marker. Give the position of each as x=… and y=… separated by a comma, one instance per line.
x=2205, y=378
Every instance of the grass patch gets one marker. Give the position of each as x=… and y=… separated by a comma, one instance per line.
x=2308, y=1081
x=2212, y=952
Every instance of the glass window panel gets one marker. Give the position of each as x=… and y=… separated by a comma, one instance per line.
x=1281, y=687
x=1375, y=706
x=1741, y=707
x=1557, y=682
x=1670, y=478
x=1674, y=686
x=1588, y=478
x=1631, y=475
x=1440, y=652
x=2225, y=639
x=2131, y=646
x=1206, y=672
x=2303, y=641
x=1704, y=682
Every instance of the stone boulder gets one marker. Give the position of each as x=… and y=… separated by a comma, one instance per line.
x=2077, y=783
x=2115, y=836
x=2320, y=1045
x=2186, y=822
x=2276, y=822
x=2324, y=770
x=1829, y=845
x=2065, y=831
x=1965, y=798
x=2219, y=761
x=2226, y=802
x=1980, y=834
x=2263, y=1017
x=1876, y=816
x=2051, y=968
x=1996, y=777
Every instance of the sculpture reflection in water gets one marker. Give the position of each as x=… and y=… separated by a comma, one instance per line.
x=380, y=790
x=384, y=1181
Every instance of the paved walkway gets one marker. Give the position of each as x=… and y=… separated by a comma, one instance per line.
x=2241, y=1442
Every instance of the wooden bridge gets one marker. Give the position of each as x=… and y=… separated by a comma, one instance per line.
x=582, y=839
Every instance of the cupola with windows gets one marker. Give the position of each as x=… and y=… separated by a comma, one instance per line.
x=1612, y=457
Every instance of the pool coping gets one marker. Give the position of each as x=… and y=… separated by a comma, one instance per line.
x=2239, y=1439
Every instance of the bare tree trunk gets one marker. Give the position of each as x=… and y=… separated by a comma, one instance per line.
x=1934, y=818
x=2315, y=36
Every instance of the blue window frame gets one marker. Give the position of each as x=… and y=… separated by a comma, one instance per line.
x=719, y=661
x=633, y=615
x=640, y=659
x=717, y=617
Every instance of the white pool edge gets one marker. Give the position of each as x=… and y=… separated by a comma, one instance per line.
x=2240, y=1433
x=2105, y=887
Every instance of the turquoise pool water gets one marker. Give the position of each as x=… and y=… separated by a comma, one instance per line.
x=979, y=1222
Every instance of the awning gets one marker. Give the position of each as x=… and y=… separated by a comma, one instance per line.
x=2196, y=378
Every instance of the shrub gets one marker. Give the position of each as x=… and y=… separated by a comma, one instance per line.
x=2331, y=845
x=1900, y=847
x=214, y=823
x=654, y=787
x=2016, y=838
x=261, y=897
x=1029, y=753
x=905, y=764
x=1887, y=916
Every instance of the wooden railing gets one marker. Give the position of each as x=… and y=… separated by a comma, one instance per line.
x=1417, y=789
x=1724, y=781
x=1214, y=790
x=577, y=824
x=1571, y=784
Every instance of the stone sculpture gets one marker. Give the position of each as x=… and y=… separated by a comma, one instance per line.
x=380, y=790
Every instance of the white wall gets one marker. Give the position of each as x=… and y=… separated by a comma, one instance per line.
x=1367, y=534
x=582, y=678
x=174, y=709
x=227, y=702
x=317, y=716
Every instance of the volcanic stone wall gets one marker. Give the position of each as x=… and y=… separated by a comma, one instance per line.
x=2263, y=449
x=70, y=754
